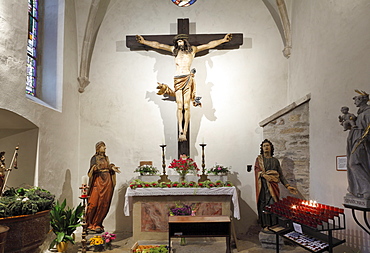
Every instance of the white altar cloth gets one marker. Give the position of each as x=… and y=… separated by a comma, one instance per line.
x=181, y=191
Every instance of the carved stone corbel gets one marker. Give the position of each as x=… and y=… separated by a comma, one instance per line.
x=279, y=13
x=97, y=12
x=286, y=26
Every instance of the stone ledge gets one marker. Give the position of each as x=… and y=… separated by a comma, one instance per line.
x=285, y=110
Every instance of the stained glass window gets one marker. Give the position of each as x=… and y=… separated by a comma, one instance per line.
x=31, y=46
x=183, y=3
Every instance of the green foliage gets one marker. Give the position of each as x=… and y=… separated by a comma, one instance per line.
x=218, y=169
x=147, y=170
x=137, y=183
x=64, y=222
x=23, y=201
x=160, y=249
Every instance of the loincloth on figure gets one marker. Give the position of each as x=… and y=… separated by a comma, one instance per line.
x=186, y=83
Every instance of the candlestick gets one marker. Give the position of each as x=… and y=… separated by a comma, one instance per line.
x=203, y=177
x=84, y=198
x=164, y=177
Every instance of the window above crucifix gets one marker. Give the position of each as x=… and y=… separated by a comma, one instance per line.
x=183, y=3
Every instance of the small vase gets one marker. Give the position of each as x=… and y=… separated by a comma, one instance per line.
x=183, y=241
x=108, y=245
x=182, y=178
x=98, y=248
x=62, y=246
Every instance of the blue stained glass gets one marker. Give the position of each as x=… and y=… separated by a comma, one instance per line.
x=32, y=47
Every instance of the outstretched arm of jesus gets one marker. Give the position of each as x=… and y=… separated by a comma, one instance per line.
x=153, y=44
x=214, y=43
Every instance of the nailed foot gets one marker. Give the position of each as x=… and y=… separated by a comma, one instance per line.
x=182, y=137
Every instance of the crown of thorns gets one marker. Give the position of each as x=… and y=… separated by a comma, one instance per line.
x=180, y=37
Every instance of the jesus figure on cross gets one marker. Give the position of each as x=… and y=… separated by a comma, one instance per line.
x=184, y=84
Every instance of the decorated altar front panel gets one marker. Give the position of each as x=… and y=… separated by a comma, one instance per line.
x=150, y=207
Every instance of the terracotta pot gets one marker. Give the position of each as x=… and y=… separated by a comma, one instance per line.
x=26, y=232
x=62, y=246
x=3, y=234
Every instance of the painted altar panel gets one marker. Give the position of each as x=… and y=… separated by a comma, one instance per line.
x=154, y=215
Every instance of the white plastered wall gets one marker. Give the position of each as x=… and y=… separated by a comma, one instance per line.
x=239, y=87
x=57, y=130
x=330, y=59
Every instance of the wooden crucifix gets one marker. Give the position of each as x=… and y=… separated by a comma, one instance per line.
x=184, y=47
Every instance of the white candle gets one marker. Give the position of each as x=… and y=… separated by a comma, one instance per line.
x=203, y=140
x=84, y=180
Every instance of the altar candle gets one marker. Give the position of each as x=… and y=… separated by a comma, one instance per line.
x=84, y=180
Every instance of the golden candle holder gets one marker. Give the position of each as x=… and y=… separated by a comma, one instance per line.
x=84, y=198
x=164, y=177
x=203, y=177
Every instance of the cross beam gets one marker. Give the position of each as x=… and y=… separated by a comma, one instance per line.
x=194, y=39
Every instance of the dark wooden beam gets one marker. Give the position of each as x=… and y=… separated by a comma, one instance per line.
x=194, y=40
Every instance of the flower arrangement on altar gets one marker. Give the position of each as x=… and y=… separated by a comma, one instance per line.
x=180, y=210
x=146, y=170
x=137, y=183
x=219, y=169
x=185, y=165
x=183, y=209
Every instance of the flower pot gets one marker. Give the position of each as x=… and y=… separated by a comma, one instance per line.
x=3, y=234
x=108, y=245
x=98, y=248
x=215, y=178
x=26, y=232
x=62, y=246
x=149, y=178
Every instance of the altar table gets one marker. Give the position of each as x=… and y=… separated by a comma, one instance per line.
x=151, y=206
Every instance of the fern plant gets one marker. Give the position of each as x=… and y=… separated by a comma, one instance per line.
x=64, y=222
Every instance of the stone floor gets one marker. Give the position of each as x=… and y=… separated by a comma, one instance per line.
x=247, y=244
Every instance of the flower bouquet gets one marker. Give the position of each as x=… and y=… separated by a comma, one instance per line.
x=218, y=170
x=184, y=166
x=146, y=170
x=97, y=242
x=108, y=238
x=180, y=210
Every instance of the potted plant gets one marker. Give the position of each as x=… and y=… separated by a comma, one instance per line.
x=23, y=209
x=64, y=222
x=146, y=170
x=219, y=170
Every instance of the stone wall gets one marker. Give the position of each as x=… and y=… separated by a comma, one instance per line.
x=288, y=130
